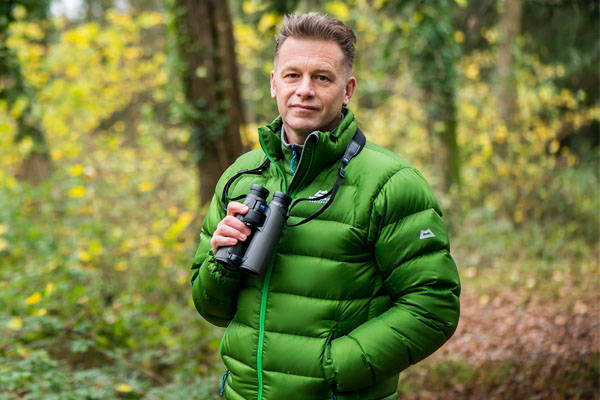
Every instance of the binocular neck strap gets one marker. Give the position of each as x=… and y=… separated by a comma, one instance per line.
x=256, y=171
x=354, y=147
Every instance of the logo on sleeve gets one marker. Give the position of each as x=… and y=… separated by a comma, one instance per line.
x=426, y=233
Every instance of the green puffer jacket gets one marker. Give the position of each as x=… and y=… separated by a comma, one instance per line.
x=351, y=298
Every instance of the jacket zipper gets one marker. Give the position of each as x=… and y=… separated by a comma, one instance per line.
x=261, y=324
x=265, y=289
x=300, y=177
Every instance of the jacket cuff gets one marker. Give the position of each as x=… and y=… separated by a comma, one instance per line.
x=348, y=365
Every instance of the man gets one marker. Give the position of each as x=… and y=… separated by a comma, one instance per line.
x=355, y=295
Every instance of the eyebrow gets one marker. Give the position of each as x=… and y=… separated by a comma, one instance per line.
x=318, y=70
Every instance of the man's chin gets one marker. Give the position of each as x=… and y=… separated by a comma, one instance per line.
x=304, y=128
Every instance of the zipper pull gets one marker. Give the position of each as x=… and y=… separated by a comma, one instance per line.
x=224, y=379
x=294, y=155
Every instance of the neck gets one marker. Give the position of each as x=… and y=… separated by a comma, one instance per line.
x=300, y=137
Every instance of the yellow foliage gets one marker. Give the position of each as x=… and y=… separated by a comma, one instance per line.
x=123, y=388
x=77, y=191
x=40, y=312
x=338, y=10
x=18, y=107
x=19, y=12
x=76, y=170
x=146, y=186
x=490, y=34
x=49, y=289
x=149, y=19
x=472, y=71
x=379, y=3
x=96, y=248
x=121, y=266
x=15, y=323
x=33, y=299
x=84, y=256
x=25, y=146
x=268, y=21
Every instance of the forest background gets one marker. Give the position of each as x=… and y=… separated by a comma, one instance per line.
x=114, y=122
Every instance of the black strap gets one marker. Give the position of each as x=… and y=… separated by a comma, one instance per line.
x=256, y=171
x=355, y=146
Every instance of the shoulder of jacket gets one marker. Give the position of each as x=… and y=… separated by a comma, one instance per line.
x=383, y=157
x=248, y=160
x=381, y=164
x=393, y=176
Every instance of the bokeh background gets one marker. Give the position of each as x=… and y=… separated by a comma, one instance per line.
x=117, y=116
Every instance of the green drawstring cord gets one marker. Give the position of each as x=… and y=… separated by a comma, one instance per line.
x=264, y=147
x=223, y=382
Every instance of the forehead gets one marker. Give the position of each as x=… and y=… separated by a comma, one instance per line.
x=299, y=52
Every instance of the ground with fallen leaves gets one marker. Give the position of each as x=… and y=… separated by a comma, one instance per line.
x=512, y=345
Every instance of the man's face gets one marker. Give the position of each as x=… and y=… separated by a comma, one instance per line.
x=310, y=85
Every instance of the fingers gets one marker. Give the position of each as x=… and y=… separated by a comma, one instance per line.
x=230, y=229
x=236, y=208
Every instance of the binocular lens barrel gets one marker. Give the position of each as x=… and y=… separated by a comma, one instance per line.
x=266, y=222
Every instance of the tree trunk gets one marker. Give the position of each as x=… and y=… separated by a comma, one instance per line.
x=212, y=88
x=510, y=26
x=37, y=166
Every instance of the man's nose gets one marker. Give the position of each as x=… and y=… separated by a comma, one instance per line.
x=305, y=88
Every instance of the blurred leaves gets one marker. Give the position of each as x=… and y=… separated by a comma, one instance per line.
x=94, y=286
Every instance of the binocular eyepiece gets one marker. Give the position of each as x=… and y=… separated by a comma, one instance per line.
x=265, y=222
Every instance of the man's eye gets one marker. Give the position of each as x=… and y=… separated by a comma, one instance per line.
x=322, y=78
x=292, y=75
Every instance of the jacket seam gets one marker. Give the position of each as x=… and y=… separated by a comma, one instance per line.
x=291, y=373
x=240, y=361
x=293, y=334
x=372, y=210
x=321, y=298
x=402, y=264
x=324, y=258
x=362, y=228
x=230, y=387
x=397, y=221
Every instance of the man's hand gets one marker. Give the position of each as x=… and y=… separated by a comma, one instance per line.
x=230, y=229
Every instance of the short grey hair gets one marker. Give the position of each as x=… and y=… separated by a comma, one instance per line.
x=317, y=26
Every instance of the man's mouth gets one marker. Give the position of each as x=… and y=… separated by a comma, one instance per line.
x=304, y=107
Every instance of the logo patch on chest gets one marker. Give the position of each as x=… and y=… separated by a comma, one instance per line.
x=315, y=198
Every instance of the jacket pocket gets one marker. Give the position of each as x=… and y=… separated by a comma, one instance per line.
x=328, y=371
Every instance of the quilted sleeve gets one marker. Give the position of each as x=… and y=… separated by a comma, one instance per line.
x=412, y=253
x=214, y=288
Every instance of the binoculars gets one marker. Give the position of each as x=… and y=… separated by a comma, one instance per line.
x=265, y=222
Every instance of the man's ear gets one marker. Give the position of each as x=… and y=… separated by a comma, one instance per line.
x=273, y=95
x=350, y=86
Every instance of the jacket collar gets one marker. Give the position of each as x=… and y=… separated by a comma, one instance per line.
x=328, y=149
